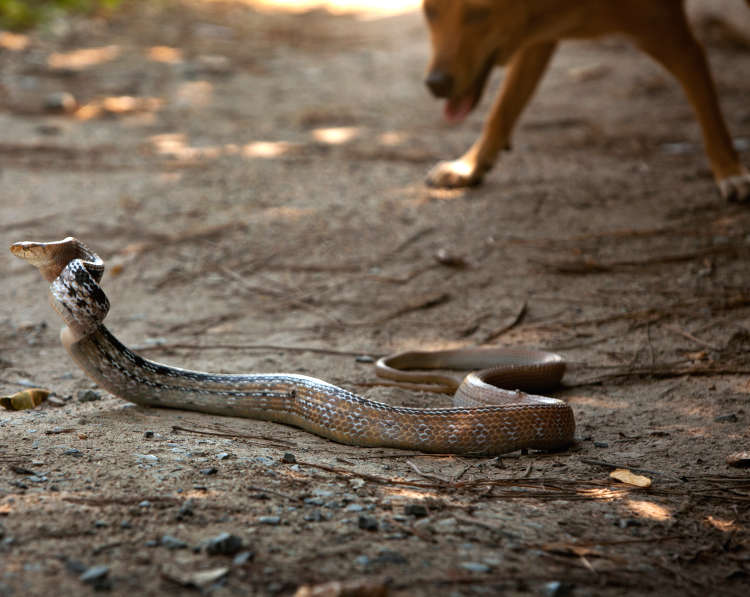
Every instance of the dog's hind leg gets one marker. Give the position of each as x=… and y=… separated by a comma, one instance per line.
x=523, y=73
x=670, y=42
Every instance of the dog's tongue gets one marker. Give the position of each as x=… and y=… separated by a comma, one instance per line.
x=458, y=109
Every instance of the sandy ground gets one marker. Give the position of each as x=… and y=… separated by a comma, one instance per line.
x=254, y=181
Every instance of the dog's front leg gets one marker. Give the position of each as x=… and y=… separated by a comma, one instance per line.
x=524, y=72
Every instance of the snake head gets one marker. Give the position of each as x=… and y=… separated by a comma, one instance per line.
x=52, y=257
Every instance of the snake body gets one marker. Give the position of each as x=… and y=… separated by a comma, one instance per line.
x=485, y=420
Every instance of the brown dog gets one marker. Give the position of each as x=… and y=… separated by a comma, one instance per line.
x=470, y=37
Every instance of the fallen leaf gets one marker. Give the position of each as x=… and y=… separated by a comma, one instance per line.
x=352, y=588
x=24, y=399
x=625, y=476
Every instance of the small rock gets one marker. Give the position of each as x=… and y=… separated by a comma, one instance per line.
x=288, y=458
x=88, y=396
x=145, y=504
x=415, y=509
x=96, y=576
x=60, y=102
x=209, y=471
x=601, y=444
x=475, y=566
x=72, y=452
x=125, y=524
x=148, y=434
x=101, y=524
x=557, y=589
x=727, y=418
x=739, y=459
x=272, y=520
x=364, y=358
x=243, y=558
x=171, y=542
x=354, y=508
x=223, y=455
x=367, y=523
x=186, y=509
x=224, y=544
x=147, y=458
x=314, y=516
x=387, y=556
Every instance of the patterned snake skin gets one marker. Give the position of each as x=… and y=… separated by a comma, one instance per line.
x=486, y=420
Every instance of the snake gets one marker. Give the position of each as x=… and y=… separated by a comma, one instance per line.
x=493, y=412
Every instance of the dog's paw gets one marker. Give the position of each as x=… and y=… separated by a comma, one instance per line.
x=453, y=175
x=736, y=188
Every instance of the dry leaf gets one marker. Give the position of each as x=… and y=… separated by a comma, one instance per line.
x=625, y=476
x=25, y=399
x=351, y=588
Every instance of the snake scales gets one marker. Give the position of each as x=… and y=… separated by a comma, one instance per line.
x=485, y=419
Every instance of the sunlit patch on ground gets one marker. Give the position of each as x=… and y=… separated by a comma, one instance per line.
x=371, y=7
x=84, y=58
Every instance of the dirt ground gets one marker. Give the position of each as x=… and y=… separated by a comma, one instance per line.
x=253, y=179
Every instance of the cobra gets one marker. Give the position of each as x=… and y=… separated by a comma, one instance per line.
x=485, y=419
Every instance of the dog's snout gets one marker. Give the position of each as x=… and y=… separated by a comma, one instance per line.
x=440, y=83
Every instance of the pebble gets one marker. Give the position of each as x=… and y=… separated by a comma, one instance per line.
x=148, y=458
x=387, y=556
x=415, y=509
x=209, y=471
x=314, y=516
x=727, y=418
x=148, y=434
x=556, y=588
x=125, y=524
x=72, y=452
x=475, y=566
x=186, y=509
x=272, y=520
x=288, y=458
x=101, y=524
x=364, y=358
x=739, y=459
x=171, y=542
x=243, y=558
x=97, y=577
x=223, y=455
x=60, y=101
x=367, y=523
x=88, y=396
x=601, y=444
x=224, y=544
x=145, y=504
x=354, y=508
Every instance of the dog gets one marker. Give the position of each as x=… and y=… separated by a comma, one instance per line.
x=470, y=37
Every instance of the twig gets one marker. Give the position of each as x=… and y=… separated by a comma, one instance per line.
x=690, y=336
x=434, y=477
x=519, y=317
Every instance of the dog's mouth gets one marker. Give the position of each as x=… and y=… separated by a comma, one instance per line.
x=457, y=108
